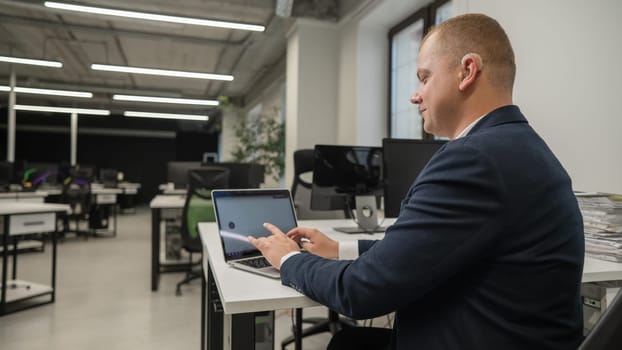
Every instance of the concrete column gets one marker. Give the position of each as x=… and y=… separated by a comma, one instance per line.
x=311, y=87
x=74, y=139
x=10, y=147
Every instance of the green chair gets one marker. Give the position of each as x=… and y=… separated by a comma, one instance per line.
x=199, y=208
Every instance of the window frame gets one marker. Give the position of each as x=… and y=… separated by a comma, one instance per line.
x=428, y=15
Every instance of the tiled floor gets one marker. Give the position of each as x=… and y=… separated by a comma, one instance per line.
x=104, y=300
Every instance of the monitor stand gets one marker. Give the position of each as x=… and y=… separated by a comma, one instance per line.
x=366, y=217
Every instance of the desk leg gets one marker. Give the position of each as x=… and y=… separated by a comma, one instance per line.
x=203, y=303
x=155, y=248
x=5, y=260
x=215, y=314
x=54, y=234
x=298, y=330
x=114, y=215
x=15, y=258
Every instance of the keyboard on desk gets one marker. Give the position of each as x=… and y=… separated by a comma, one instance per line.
x=258, y=262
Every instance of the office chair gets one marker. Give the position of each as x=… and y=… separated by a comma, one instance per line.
x=303, y=163
x=606, y=333
x=78, y=196
x=199, y=208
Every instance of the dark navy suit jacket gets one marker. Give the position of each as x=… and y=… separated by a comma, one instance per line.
x=487, y=251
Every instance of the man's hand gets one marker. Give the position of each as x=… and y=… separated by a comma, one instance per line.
x=315, y=242
x=274, y=247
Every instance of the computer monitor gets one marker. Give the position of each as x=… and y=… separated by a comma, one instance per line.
x=36, y=175
x=403, y=161
x=177, y=172
x=108, y=177
x=341, y=173
x=82, y=174
x=6, y=175
x=243, y=175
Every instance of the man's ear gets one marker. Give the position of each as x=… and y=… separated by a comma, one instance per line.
x=470, y=65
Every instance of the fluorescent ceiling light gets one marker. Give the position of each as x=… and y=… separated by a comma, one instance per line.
x=61, y=110
x=67, y=93
x=154, y=17
x=18, y=60
x=164, y=72
x=166, y=115
x=186, y=101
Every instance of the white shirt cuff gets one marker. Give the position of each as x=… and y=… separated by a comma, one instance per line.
x=348, y=250
x=286, y=256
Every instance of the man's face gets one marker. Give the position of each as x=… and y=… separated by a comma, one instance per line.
x=438, y=93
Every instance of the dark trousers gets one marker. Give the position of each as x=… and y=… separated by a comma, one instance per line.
x=357, y=338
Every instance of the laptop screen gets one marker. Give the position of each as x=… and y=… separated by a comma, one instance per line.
x=241, y=213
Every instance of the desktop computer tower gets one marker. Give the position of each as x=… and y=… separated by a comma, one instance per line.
x=260, y=326
x=253, y=330
x=595, y=298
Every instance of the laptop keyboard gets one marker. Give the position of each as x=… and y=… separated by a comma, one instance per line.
x=257, y=262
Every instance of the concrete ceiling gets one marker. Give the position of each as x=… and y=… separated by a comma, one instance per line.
x=28, y=29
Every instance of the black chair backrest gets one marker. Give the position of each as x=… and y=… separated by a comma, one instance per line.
x=200, y=181
x=303, y=163
x=607, y=333
x=208, y=178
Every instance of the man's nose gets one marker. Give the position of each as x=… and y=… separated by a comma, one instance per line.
x=415, y=98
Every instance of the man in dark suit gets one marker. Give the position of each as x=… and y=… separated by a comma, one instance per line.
x=487, y=251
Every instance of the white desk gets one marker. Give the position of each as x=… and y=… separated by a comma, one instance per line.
x=595, y=270
x=25, y=197
x=266, y=294
x=22, y=219
x=235, y=296
x=157, y=204
x=29, y=197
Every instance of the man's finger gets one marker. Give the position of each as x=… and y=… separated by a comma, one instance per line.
x=253, y=240
x=273, y=229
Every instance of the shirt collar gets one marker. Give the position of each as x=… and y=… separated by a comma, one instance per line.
x=466, y=130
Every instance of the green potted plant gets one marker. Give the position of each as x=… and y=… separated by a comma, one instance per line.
x=261, y=140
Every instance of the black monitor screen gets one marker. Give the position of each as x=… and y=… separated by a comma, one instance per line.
x=82, y=174
x=403, y=160
x=342, y=172
x=241, y=175
x=6, y=174
x=177, y=172
x=39, y=174
x=108, y=176
x=244, y=175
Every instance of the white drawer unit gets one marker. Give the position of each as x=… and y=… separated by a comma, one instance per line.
x=32, y=223
x=108, y=198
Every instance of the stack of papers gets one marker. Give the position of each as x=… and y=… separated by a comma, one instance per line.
x=602, y=221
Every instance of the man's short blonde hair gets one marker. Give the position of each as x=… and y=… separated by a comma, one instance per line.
x=477, y=33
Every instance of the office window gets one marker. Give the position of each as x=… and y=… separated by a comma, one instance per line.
x=405, y=38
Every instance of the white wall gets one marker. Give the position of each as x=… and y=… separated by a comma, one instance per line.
x=230, y=118
x=568, y=80
x=372, y=85
x=347, y=101
x=312, y=87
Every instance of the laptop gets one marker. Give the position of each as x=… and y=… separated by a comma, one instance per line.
x=241, y=213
